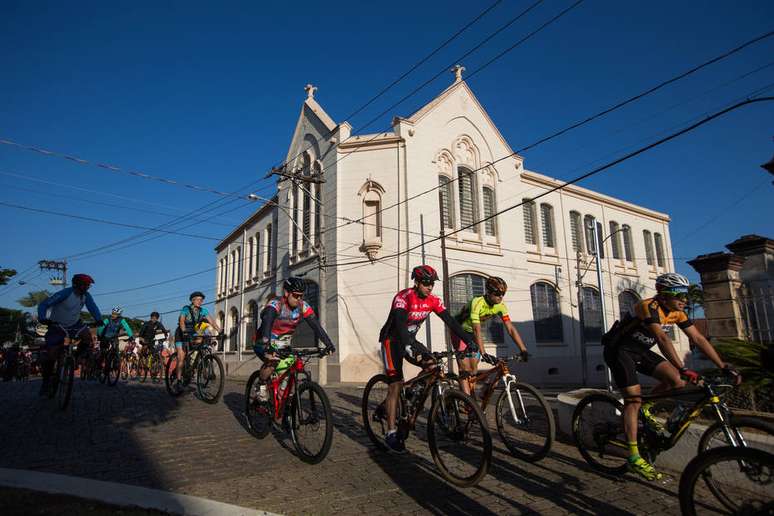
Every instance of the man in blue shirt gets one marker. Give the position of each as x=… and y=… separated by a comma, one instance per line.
x=190, y=316
x=62, y=314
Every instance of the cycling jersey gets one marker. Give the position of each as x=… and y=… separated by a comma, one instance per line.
x=279, y=322
x=193, y=316
x=478, y=311
x=150, y=329
x=417, y=308
x=112, y=328
x=66, y=306
x=636, y=331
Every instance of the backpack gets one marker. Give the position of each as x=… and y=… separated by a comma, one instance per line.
x=619, y=328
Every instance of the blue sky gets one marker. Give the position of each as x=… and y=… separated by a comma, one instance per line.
x=209, y=94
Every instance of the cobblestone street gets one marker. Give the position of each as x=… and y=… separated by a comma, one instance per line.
x=137, y=434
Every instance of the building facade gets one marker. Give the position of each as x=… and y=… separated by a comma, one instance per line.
x=380, y=210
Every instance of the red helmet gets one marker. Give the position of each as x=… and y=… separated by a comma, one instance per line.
x=82, y=279
x=424, y=273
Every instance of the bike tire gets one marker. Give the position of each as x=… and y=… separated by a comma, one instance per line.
x=258, y=414
x=170, y=377
x=113, y=368
x=374, y=412
x=461, y=432
x=125, y=364
x=747, y=428
x=299, y=417
x=600, y=432
x=142, y=369
x=209, y=365
x=65, y=387
x=758, y=476
x=536, y=428
x=156, y=369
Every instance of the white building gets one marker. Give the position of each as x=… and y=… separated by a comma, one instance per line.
x=451, y=142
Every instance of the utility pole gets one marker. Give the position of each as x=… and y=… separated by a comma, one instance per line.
x=446, y=293
x=241, y=318
x=54, y=265
x=601, y=286
x=429, y=337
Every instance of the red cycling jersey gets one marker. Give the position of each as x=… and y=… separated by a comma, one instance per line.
x=287, y=318
x=418, y=310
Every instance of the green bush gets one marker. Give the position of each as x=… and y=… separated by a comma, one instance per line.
x=757, y=382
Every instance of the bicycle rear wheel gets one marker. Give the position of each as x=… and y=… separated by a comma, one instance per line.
x=597, y=425
x=112, y=367
x=65, y=387
x=459, y=439
x=745, y=475
x=374, y=409
x=258, y=412
x=170, y=377
x=210, y=379
x=311, y=422
x=525, y=421
x=156, y=369
x=143, y=368
x=125, y=369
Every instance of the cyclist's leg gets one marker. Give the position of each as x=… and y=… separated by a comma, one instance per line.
x=624, y=372
x=54, y=340
x=392, y=357
x=662, y=370
x=180, y=343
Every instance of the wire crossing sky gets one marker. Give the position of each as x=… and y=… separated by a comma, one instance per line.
x=208, y=96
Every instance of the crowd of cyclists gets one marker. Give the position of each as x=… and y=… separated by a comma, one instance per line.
x=627, y=345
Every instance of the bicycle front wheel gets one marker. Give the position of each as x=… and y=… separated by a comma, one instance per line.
x=210, y=379
x=459, y=439
x=170, y=377
x=597, y=425
x=65, y=385
x=156, y=369
x=258, y=412
x=374, y=409
x=525, y=421
x=745, y=475
x=113, y=368
x=311, y=422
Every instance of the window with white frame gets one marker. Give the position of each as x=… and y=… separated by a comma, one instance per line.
x=615, y=240
x=267, y=243
x=646, y=236
x=258, y=255
x=592, y=314
x=490, y=225
x=468, y=199
x=546, y=313
x=627, y=243
x=239, y=265
x=445, y=201
x=530, y=231
x=576, y=232
x=547, y=219
x=251, y=257
x=660, y=259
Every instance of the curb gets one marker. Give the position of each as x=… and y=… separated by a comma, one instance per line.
x=121, y=494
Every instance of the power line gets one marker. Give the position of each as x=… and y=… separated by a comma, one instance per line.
x=577, y=179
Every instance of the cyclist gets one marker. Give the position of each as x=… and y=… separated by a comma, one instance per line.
x=111, y=328
x=279, y=320
x=478, y=310
x=627, y=351
x=190, y=316
x=64, y=309
x=410, y=307
x=148, y=332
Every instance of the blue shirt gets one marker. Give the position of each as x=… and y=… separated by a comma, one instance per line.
x=190, y=321
x=66, y=306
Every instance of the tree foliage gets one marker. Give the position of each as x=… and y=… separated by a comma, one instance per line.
x=34, y=298
x=5, y=275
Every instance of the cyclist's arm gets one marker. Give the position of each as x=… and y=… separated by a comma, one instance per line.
x=455, y=327
x=181, y=322
x=91, y=306
x=162, y=328
x=318, y=330
x=268, y=316
x=102, y=326
x=704, y=345
x=127, y=328
x=665, y=345
x=400, y=323
x=477, y=337
x=51, y=301
x=212, y=322
x=514, y=333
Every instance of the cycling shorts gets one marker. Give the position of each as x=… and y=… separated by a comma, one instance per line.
x=393, y=355
x=56, y=334
x=626, y=361
x=181, y=339
x=459, y=345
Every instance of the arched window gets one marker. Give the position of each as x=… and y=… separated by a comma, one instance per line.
x=258, y=256
x=626, y=301
x=646, y=236
x=627, y=241
x=576, y=232
x=530, y=231
x=220, y=276
x=468, y=199
x=615, y=240
x=251, y=257
x=547, y=218
x=659, y=249
x=463, y=288
x=445, y=200
x=233, y=330
x=239, y=265
x=546, y=314
x=304, y=336
x=267, y=242
x=251, y=323
x=592, y=315
x=490, y=207
x=372, y=215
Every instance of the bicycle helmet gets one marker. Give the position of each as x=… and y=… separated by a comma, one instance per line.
x=196, y=294
x=496, y=284
x=82, y=280
x=294, y=284
x=117, y=310
x=672, y=282
x=424, y=273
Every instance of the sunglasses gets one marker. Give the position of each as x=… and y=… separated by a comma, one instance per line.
x=297, y=295
x=427, y=283
x=682, y=296
x=496, y=293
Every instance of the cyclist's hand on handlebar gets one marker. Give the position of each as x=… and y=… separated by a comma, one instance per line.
x=524, y=356
x=732, y=374
x=489, y=359
x=691, y=375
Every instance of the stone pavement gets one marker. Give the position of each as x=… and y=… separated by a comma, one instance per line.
x=137, y=434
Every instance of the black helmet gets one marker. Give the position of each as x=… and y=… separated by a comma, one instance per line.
x=196, y=294
x=293, y=284
x=424, y=273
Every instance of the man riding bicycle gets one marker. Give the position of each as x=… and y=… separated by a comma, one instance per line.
x=627, y=352
x=190, y=317
x=279, y=320
x=148, y=333
x=410, y=307
x=478, y=310
x=111, y=328
x=63, y=309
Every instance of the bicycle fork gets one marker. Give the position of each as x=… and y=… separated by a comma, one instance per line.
x=509, y=380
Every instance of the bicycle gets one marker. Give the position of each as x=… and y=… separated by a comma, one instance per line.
x=295, y=403
x=61, y=383
x=199, y=360
x=129, y=363
x=520, y=408
x=112, y=366
x=455, y=425
x=89, y=367
x=150, y=362
x=597, y=425
x=747, y=476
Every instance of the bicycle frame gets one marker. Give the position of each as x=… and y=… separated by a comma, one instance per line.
x=431, y=379
x=280, y=398
x=502, y=374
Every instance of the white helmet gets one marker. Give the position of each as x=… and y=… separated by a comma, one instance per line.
x=118, y=310
x=672, y=281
